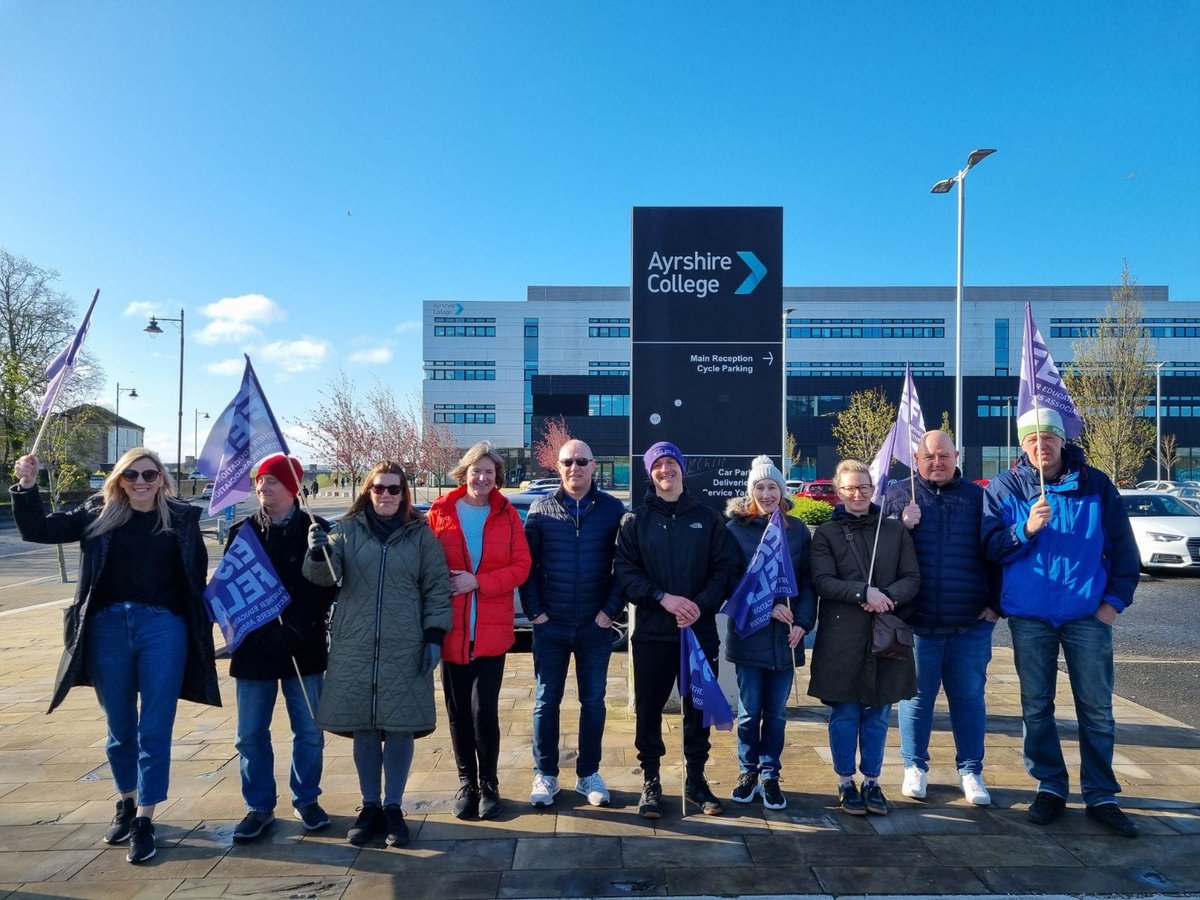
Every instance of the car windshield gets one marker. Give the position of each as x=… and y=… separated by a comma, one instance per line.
x=1146, y=505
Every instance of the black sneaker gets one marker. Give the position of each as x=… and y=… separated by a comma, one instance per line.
x=489, y=798
x=369, y=824
x=850, y=800
x=698, y=792
x=313, y=817
x=397, y=829
x=252, y=826
x=141, y=840
x=466, y=801
x=772, y=796
x=746, y=788
x=118, y=831
x=1113, y=818
x=1046, y=808
x=650, y=803
x=873, y=799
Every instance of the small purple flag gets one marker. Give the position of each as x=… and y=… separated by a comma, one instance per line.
x=1040, y=378
x=244, y=433
x=245, y=591
x=61, y=367
x=769, y=575
x=904, y=438
x=697, y=681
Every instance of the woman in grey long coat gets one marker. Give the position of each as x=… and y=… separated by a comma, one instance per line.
x=858, y=687
x=392, y=612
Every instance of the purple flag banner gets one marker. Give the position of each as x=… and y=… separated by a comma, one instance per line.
x=244, y=433
x=697, y=681
x=902, y=441
x=245, y=591
x=769, y=575
x=1040, y=378
x=61, y=367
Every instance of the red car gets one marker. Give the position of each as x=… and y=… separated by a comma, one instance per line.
x=822, y=489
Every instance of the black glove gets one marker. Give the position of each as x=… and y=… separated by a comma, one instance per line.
x=433, y=655
x=318, y=541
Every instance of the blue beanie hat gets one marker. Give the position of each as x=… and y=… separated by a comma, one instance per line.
x=661, y=449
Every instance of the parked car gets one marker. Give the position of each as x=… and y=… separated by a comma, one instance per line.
x=1167, y=530
x=206, y=494
x=542, y=486
x=1156, y=485
x=821, y=489
x=794, y=485
x=1189, y=493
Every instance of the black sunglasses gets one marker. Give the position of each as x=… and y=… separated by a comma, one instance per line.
x=392, y=489
x=149, y=475
x=575, y=461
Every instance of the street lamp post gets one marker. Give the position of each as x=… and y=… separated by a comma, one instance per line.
x=783, y=455
x=943, y=187
x=1158, y=420
x=132, y=392
x=153, y=328
x=196, y=435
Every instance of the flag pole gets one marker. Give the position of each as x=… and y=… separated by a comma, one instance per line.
x=328, y=562
x=1037, y=417
x=875, y=546
x=37, y=440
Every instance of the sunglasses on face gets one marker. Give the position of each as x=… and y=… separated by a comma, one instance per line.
x=580, y=461
x=148, y=475
x=392, y=489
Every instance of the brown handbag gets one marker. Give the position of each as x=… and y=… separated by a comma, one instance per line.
x=891, y=638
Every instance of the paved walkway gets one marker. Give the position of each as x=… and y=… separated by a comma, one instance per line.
x=56, y=799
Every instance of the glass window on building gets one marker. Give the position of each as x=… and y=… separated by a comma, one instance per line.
x=998, y=459
x=1000, y=332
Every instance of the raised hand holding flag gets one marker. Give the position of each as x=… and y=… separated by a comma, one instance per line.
x=60, y=370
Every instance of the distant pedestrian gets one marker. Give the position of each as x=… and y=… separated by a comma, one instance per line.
x=316, y=487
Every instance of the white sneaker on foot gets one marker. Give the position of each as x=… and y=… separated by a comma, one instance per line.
x=915, y=782
x=544, y=789
x=594, y=788
x=974, y=791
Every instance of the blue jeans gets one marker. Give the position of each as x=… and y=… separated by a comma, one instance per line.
x=1087, y=647
x=255, y=707
x=958, y=663
x=762, y=708
x=380, y=755
x=857, y=727
x=132, y=649
x=553, y=646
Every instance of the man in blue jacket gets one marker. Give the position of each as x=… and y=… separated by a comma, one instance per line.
x=1070, y=566
x=952, y=615
x=571, y=599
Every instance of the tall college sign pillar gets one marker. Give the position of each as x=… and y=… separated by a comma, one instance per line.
x=707, y=339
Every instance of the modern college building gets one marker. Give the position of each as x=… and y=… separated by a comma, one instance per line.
x=499, y=369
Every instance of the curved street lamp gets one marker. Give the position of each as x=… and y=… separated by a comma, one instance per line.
x=153, y=329
x=132, y=392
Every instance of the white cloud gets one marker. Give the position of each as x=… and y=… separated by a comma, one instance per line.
x=296, y=356
x=225, y=367
x=238, y=318
x=371, y=356
x=410, y=325
x=142, y=308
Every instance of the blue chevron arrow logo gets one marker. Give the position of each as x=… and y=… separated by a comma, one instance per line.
x=757, y=271
x=458, y=308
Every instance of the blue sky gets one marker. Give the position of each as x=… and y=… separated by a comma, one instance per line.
x=182, y=154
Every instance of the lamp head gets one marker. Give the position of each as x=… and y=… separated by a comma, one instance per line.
x=153, y=328
x=942, y=187
x=132, y=393
x=977, y=156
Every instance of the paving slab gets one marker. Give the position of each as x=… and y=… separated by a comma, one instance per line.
x=585, y=883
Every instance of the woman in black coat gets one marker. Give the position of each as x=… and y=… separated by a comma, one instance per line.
x=859, y=687
x=137, y=626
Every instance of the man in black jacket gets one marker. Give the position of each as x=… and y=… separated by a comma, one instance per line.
x=291, y=653
x=571, y=599
x=676, y=563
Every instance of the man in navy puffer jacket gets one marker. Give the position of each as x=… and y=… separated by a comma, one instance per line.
x=953, y=615
x=571, y=598
x=1070, y=567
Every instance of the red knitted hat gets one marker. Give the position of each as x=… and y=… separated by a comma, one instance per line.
x=285, y=469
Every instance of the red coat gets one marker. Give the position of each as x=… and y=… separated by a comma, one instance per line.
x=504, y=567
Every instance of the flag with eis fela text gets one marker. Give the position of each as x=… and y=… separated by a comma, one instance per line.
x=245, y=591
x=697, y=681
x=770, y=575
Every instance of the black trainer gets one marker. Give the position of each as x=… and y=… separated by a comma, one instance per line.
x=466, y=801
x=313, y=817
x=489, y=798
x=118, y=831
x=772, y=794
x=397, y=828
x=1113, y=818
x=141, y=840
x=369, y=825
x=850, y=800
x=650, y=803
x=252, y=826
x=697, y=791
x=873, y=799
x=746, y=788
x=1046, y=808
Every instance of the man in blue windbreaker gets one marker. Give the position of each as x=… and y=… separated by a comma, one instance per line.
x=1070, y=566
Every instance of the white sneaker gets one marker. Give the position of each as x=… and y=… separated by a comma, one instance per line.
x=915, y=782
x=594, y=788
x=974, y=791
x=544, y=789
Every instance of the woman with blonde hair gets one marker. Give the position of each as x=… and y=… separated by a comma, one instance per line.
x=137, y=627
x=488, y=555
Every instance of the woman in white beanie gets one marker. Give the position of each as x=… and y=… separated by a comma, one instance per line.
x=766, y=659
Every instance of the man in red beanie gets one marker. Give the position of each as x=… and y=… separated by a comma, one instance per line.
x=272, y=654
